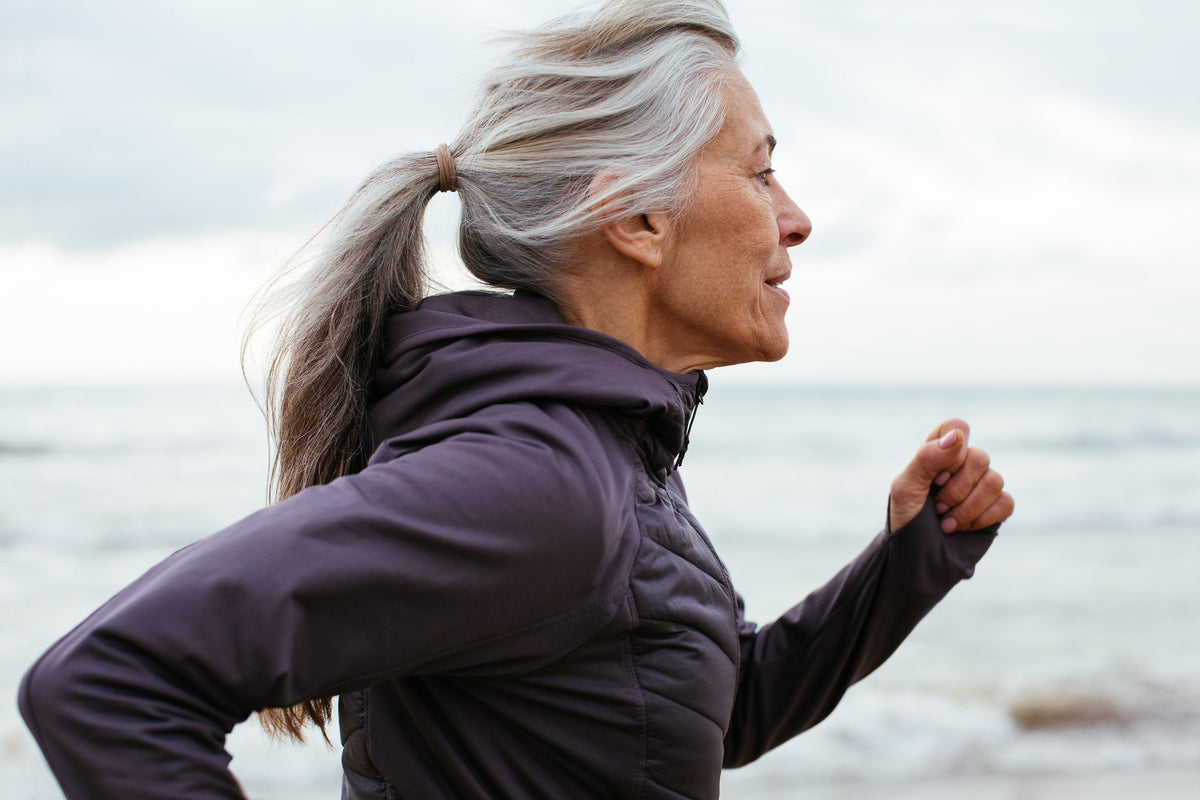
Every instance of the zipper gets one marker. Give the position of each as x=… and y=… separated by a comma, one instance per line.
x=698, y=400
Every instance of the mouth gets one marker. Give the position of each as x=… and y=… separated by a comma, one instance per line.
x=775, y=284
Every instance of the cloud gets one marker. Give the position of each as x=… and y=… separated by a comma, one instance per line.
x=127, y=120
x=158, y=310
x=1031, y=162
x=167, y=310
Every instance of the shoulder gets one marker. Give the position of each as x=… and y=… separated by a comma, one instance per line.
x=537, y=481
x=507, y=445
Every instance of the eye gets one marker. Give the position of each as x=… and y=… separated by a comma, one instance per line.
x=765, y=176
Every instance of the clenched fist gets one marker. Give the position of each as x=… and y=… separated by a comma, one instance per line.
x=968, y=493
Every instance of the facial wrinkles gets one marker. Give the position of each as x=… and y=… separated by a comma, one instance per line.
x=727, y=245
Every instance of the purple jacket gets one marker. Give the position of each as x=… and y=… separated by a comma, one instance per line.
x=512, y=599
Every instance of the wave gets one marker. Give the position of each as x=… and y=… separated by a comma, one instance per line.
x=178, y=446
x=21, y=449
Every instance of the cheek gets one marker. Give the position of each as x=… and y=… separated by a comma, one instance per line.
x=757, y=228
x=745, y=230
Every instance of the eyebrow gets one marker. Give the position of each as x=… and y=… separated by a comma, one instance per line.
x=770, y=141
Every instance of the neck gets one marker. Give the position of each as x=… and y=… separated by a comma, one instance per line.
x=612, y=295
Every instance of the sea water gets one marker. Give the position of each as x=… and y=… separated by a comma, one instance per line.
x=1073, y=650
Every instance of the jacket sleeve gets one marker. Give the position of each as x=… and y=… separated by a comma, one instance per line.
x=431, y=562
x=796, y=669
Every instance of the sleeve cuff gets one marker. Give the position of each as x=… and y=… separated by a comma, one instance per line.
x=932, y=561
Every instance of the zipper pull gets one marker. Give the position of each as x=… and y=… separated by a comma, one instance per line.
x=701, y=388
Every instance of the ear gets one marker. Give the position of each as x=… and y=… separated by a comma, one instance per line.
x=638, y=237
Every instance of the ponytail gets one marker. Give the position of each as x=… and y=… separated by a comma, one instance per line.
x=328, y=345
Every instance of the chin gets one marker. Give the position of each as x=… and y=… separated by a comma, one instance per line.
x=774, y=347
x=772, y=350
x=775, y=353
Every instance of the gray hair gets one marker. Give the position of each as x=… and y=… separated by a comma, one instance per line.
x=633, y=90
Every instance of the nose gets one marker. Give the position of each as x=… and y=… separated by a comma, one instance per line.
x=794, y=224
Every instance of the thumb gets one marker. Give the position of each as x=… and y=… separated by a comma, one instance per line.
x=944, y=452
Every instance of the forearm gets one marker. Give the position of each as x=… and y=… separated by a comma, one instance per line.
x=114, y=722
x=795, y=670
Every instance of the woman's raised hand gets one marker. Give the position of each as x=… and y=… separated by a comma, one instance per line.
x=968, y=493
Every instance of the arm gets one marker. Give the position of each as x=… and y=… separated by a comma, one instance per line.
x=431, y=562
x=796, y=669
x=943, y=512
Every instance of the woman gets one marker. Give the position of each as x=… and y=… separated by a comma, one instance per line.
x=483, y=546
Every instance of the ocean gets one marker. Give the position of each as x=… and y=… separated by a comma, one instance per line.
x=1072, y=653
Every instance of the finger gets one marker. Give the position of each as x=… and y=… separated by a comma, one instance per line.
x=945, y=427
x=943, y=454
x=911, y=487
x=941, y=430
x=975, y=465
x=982, y=496
x=999, y=511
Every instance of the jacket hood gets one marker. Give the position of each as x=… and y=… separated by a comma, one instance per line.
x=455, y=354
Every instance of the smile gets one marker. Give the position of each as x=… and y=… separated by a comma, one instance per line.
x=774, y=284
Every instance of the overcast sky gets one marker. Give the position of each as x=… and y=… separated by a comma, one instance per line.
x=1000, y=192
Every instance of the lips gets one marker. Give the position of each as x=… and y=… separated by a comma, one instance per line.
x=774, y=283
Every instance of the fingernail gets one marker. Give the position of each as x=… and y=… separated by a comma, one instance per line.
x=941, y=508
x=941, y=479
x=949, y=525
x=949, y=439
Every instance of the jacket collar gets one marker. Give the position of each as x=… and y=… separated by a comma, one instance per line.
x=455, y=354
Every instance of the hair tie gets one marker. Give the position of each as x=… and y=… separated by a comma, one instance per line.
x=447, y=177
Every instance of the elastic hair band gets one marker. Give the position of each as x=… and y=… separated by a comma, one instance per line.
x=447, y=177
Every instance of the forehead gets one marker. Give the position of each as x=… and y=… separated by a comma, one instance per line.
x=746, y=129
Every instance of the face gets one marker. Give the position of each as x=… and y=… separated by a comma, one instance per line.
x=718, y=286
